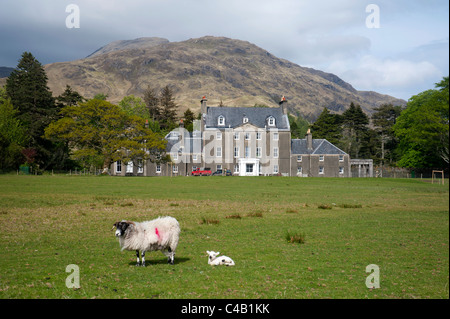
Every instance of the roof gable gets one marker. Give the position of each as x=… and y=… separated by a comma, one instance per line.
x=258, y=116
x=320, y=147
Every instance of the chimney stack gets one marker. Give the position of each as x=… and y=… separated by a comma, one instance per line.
x=309, y=142
x=203, y=107
x=283, y=105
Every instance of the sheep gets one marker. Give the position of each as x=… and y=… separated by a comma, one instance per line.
x=213, y=260
x=161, y=234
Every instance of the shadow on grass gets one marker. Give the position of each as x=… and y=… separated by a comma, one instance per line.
x=159, y=261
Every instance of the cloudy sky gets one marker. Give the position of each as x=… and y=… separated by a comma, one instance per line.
x=394, y=47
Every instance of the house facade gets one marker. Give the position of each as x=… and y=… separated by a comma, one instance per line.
x=247, y=141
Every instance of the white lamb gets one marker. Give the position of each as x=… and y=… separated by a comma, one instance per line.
x=158, y=234
x=213, y=260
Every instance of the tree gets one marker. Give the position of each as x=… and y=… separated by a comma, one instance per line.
x=383, y=120
x=328, y=126
x=189, y=118
x=13, y=136
x=152, y=102
x=101, y=96
x=354, y=129
x=100, y=131
x=133, y=105
x=298, y=125
x=29, y=93
x=168, y=108
x=69, y=97
x=423, y=129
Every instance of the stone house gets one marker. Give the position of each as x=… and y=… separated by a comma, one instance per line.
x=248, y=141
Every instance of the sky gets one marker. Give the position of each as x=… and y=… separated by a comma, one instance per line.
x=394, y=47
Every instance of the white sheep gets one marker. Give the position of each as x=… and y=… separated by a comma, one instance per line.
x=161, y=234
x=213, y=260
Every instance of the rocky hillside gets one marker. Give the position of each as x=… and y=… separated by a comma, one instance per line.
x=237, y=72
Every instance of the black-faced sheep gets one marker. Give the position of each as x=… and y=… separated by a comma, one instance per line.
x=158, y=234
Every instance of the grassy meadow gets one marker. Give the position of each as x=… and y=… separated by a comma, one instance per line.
x=290, y=237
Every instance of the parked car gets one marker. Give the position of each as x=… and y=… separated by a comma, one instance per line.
x=220, y=172
x=201, y=172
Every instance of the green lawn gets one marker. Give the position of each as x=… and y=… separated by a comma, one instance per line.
x=400, y=225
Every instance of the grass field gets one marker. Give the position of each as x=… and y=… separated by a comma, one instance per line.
x=343, y=225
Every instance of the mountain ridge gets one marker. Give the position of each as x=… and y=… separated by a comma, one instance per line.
x=234, y=72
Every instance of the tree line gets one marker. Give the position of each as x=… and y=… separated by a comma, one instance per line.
x=70, y=131
x=415, y=136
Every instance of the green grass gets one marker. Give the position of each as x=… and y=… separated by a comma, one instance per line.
x=401, y=225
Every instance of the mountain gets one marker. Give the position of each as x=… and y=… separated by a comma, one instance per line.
x=236, y=72
x=5, y=71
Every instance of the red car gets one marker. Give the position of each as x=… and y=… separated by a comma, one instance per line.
x=201, y=172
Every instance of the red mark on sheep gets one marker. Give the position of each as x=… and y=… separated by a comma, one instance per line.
x=157, y=232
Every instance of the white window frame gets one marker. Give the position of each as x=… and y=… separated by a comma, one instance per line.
x=158, y=168
x=299, y=170
x=341, y=158
x=247, y=152
x=276, y=136
x=219, y=135
x=119, y=166
x=341, y=170
x=258, y=151
x=221, y=120
x=236, y=151
x=247, y=136
x=219, y=151
x=321, y=158
x=321, y=170
x=236, y=168
x=271, y=121
x=299, y=158
x=175, y=169
x=245, y=119
x=236, y=136
x=275, y=152
x=258, y=136
x=275, y=169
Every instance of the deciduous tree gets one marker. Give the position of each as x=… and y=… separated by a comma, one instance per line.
x=98, y=130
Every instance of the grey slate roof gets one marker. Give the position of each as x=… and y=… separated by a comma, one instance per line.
x=320, y=147
x=256, y=115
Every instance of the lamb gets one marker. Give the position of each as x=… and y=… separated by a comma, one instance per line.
x=213, y=260
x=161, y=234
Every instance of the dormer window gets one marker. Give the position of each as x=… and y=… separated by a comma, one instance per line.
x=221, y=120
x=245, y=119
x=271, y=121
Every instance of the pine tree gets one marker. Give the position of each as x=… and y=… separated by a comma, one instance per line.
x=188, y=120
x=69, y=97
x=27, y=88
x=328, y=126
x=168, y=108
x=354, y=124
x=383, y=120
x=152, y=102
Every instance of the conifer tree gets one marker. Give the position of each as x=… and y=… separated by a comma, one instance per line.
x=168, y=108
x=27, y=88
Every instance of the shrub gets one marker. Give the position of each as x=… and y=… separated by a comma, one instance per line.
x=209, y=221
x=298, y=238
